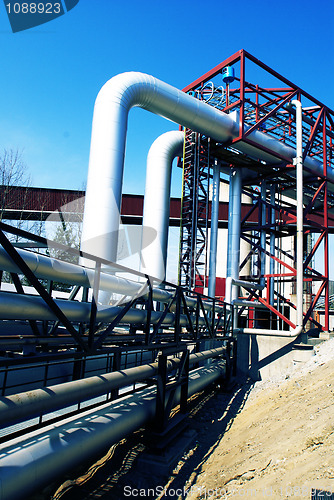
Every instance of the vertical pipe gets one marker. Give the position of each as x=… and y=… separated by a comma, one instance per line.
x=272, y=243
x=157, y=202
x=326, y=242
x=263, y=232
x=214, y=230
x=299, y=188
x=234, y=220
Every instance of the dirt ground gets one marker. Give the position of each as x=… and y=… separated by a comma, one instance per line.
x=272, y=439
x=280, y=445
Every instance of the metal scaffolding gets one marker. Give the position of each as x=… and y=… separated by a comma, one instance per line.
x=265, y=106
x=194, y=211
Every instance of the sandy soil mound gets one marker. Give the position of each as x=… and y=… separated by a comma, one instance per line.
x=281, y=444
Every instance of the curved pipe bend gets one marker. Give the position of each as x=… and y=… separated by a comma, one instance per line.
x=105, y=174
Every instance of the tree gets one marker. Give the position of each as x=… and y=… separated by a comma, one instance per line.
x=14, y=173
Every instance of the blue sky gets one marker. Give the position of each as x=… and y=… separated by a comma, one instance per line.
x=51, y=74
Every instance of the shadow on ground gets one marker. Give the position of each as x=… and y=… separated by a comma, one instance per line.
x=117, y=475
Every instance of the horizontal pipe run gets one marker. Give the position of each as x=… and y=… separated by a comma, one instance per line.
x=29, y=404
x=45, y=267
x=31, y=307
x=35, y=460
x=248, y=303
x=269, y=333
x=248, y=284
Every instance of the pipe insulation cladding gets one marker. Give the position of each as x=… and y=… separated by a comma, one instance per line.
x=157, y=202
x=73, y=274
x=31, y=307
x=32, y=461
x=106, y=163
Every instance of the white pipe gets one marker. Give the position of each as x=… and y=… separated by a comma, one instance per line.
x=270, y=333
x=214, y=230
x=157, y=202
x=73, y=274
x=248, y=303
x=105, y=175
x=272, y=244
x=299, y=188
x=234, y=232
x=48, y=268
x=263, y=233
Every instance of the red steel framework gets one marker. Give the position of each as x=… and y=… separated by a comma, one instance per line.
x=264, y=106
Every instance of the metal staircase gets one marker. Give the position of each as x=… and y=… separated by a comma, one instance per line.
x=194, y=211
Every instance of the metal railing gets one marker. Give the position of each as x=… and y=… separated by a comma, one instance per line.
x=153, y=313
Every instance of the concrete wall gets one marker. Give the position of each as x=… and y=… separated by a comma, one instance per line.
x=261, y=357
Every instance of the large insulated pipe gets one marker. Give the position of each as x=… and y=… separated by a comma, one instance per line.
x=157, y=202
x=105, y=175
x=29, y=404
x=214, y=230
x=33, y=461
x=31, y=307
x=234, y=229
x=48, y=268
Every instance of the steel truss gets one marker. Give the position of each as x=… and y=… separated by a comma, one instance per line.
x=258, y=106
x=186, y=316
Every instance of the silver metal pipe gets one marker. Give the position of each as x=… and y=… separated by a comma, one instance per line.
x=234, y=231
x=157, y=202
x=214, y=230
x=29, y=404
x=248, y=303
x=263, y=233
x=269, y=333
x=300, y=233
x=248, y=284
x=105, y=176
x=34, y=460
x=73, y=274
x=272, y=245
x=31, y=307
